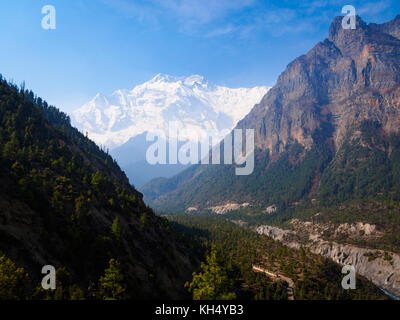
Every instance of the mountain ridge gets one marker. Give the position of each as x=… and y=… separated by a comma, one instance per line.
x=192, y=102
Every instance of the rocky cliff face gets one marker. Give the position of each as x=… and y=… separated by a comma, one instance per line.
x=349, y=77
x=383, y=273
x=391, y=27
x=383, y=269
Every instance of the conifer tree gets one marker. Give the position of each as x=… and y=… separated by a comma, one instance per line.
x=213, y=282
x=112, y=285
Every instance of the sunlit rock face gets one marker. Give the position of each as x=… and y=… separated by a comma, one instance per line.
x=352, y=76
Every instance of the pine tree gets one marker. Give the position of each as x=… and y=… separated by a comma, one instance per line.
x=213, y=282
x=112, y=285
x=12, y=280
x=143, y=220
x=116, y=229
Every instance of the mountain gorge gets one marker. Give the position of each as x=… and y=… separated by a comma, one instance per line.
x=199, y=159
x=325, y=186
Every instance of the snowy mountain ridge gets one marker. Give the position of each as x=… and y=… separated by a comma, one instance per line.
x=191, y=102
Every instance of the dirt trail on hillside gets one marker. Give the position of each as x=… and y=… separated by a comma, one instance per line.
x=278, y=276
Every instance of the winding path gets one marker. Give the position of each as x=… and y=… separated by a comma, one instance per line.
x=277, y=276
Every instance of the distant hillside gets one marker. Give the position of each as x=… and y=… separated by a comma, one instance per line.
x=131, y=156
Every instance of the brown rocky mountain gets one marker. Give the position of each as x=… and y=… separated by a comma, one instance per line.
x=327, y=154
x=327, y=129
x=351, y=76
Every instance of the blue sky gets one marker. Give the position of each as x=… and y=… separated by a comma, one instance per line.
x=104, y=45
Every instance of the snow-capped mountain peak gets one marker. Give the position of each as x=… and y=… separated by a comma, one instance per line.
x=188, y=81
x=191, y=101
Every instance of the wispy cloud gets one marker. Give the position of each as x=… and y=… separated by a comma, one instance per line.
x=221, y=31
x=189, y=14
x=202, y=11
x=144, y=12
x=239, y=18
x=374, y=8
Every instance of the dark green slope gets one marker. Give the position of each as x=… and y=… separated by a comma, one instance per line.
x=65, y=202
x=272, y=182
x=363, y=167
x=279, y=180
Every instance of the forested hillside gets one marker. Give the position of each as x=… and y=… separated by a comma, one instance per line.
x=65, y=202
